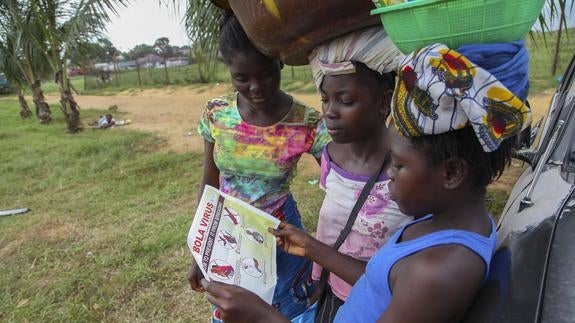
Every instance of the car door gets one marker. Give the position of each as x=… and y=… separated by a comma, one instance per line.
x=530, y=277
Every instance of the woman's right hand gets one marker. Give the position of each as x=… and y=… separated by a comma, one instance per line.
x=239, y=305
x=293, y=240
x=194, y=277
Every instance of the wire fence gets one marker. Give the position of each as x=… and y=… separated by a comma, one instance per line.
x=298, y=77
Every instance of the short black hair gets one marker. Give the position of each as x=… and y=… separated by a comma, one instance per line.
x=233, y=38
x=384, y=80
x=463, y=143
x=381, y=81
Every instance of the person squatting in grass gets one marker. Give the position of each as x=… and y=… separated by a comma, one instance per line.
x=253, y=141
x=453, y=124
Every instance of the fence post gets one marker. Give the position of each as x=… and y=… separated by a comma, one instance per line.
x=139, y=77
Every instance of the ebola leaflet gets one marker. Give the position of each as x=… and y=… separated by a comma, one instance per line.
x=230, y=242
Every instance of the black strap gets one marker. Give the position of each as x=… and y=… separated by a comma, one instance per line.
x=350, y=221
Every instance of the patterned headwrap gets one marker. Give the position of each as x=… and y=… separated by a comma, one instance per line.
x=440, y=90
x=370, y=46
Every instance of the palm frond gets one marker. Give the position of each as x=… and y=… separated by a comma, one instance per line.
x=202, y=23
x=555, y=10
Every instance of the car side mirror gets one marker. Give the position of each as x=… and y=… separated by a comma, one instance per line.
x=524, y=140
x=525, y=155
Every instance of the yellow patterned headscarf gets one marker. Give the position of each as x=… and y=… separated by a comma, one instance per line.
x=439, y=90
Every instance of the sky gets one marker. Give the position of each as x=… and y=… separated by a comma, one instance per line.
x=554, y=25
x=144, y=21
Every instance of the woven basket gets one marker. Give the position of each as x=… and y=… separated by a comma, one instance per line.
x=415, y=24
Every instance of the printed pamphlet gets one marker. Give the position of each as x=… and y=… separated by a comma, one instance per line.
x=230, y=242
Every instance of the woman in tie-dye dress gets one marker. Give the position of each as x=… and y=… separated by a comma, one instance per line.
x=253, y=141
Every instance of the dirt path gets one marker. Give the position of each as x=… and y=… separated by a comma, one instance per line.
x=173, y=114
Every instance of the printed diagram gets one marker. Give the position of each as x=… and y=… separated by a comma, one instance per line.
x=222, y=269
x=255, y=236
x=227, y=240
x=216, y=313
x=252, y=267
x=231, y=215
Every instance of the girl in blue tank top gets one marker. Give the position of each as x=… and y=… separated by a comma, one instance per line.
x=451, y=137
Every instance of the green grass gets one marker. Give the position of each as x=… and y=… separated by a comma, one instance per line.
x=52, y=87
x=541, y=58
x=297, y=78
x=105, y=240
x=106, y=236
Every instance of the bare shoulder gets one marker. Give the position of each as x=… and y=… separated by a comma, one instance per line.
x=441, y=264
x=440, y=281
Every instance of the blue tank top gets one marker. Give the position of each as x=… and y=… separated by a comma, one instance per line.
x=371, y=294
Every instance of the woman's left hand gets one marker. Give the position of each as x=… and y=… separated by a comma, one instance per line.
x=238, y=304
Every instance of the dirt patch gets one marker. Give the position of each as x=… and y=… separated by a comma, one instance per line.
x=173, y=114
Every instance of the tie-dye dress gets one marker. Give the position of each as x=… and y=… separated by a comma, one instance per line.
x=257, y=165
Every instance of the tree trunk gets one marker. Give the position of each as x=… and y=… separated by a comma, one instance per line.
x=25, y=112
x=68, y=105
x=71, y=111
x=116, y=73
x=139, y=76
x=42, y=108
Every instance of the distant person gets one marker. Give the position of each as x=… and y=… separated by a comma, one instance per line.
x=106, y=121
x=253, y=140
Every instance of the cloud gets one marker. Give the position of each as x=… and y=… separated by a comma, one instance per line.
x=144, y=21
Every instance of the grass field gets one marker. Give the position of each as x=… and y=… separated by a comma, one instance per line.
x=541, y=51
x=105, y=239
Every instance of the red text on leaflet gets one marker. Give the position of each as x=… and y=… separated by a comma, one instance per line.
x=203, y=225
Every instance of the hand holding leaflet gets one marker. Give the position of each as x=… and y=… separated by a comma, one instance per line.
x=230, y=242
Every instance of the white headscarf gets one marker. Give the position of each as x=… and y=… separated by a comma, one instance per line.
x=370, y=46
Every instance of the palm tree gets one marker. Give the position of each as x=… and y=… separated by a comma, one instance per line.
x=14, y=77
x=202, y=22
x=24, y=64
x=66, y=24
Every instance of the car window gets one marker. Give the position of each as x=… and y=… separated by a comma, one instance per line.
x=564, y=153
x=558, y=110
